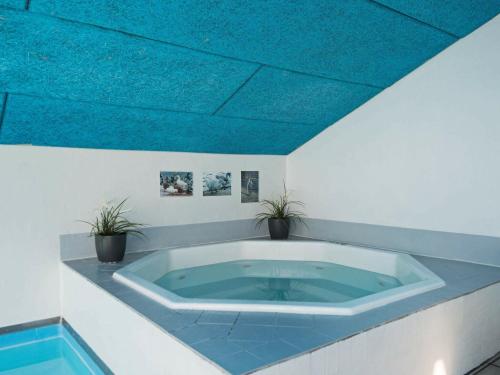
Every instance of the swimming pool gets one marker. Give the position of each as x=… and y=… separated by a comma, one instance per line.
x=44, y=350
x=313, y=277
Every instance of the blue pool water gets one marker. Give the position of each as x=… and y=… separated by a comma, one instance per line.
x=276, y=280
x=48, y=350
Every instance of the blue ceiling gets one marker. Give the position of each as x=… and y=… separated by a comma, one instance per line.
x=233, y=76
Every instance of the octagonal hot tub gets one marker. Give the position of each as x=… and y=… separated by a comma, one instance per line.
x=312, y=277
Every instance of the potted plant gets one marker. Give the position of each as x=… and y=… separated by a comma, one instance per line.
x=110, y=229
x=280, y=214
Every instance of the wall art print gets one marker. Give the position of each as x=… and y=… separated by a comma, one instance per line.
x=249, y=186
x=216, y=184
x=176, y=184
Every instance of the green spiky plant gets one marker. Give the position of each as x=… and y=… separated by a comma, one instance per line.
x=281, y=208
x=110, y=221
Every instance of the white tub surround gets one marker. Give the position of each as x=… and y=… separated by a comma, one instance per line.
x=414, y=277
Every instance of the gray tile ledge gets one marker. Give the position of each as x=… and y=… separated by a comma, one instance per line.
x=81, y=245
x=470, y=248
x=30, y=325
x=478, y=277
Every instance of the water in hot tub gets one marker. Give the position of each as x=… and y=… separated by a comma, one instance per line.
x=276, y=280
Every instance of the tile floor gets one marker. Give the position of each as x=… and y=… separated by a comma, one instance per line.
x=492, y=367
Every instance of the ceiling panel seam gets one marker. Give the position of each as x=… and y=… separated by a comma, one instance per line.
x=13, y=92
x=4, y=109
x=167, y=110
x=266, y=120
x=413, y=18
x=237, y=90
x=138, y=36
x=158, y=109
x=27, y=118
x=325, y=77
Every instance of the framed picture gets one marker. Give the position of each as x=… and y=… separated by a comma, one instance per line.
x=216, y=184
x=176, y=184
x=249, y=186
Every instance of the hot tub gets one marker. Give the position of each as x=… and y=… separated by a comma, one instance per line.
x=310, y=277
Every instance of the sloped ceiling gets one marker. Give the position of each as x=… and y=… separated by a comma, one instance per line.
x=226, y=76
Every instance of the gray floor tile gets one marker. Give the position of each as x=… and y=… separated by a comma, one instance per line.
x=240, y=362
x=294, y=320
x=217, y=317
x=274, y=351
x=490, y=370
x=242, y=342
x=257, y=319
x=218, y=348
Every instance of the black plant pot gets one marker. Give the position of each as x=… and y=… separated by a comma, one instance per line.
x=278, y=228
x=110, y=249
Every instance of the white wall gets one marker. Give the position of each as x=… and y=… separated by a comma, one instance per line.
x=425, y=153
x=45, y=190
